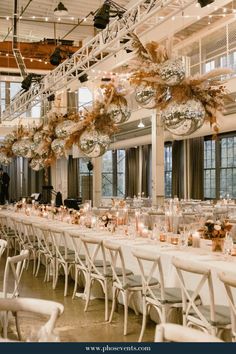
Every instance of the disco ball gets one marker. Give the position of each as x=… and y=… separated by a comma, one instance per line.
x=146, y=96
x=37, y=164
x=172, y=72
x=58, y=147
x=65, y=128
x=183, y=118
x=94, y=143
x=4, y=160
x=26, y=147
x=119, y=111
x=9, y=138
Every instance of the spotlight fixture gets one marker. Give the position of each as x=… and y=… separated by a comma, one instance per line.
x=26, y=83
x=103, y=14
x=90, y=166
x=60, y=10
x=56, y=58
x=204, y=3
x=141, y=124
x=83, y=78
x=51, y=98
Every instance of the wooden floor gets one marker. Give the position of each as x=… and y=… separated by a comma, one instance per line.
x=75, y=325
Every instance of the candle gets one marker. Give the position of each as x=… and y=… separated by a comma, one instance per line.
x=196, y=240
x=162, y=238
x=174, y=240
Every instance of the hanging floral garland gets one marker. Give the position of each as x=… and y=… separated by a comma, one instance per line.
x=90, y=131
x=185, y=103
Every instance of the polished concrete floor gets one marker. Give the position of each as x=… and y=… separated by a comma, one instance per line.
x=75, y=325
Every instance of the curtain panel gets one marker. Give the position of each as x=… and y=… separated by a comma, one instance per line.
x=178, y=169
x=196, y=168
x=132, y=172
x=146, y=170
x=73, y=177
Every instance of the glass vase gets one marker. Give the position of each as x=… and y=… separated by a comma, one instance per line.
x=217, y=244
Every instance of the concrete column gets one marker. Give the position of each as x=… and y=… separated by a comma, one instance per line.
x=97, y=181
x=158, y=180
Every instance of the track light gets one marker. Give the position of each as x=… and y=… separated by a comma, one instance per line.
x=103, y=14
x=26, y=83
x=60, y=10
x=82, y=78
x=204, y=3
x=141, y=124
x=56, y=58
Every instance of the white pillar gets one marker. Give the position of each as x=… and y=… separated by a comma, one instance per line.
x=97, y=181
x=158, y=180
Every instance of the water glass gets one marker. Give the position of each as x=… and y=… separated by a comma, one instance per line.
x=183, y=240
x=228, y=244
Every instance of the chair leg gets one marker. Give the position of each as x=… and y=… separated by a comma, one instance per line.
x=18, y=327
x=106, y=300
x=55, y=274
x=88, y=291
x=144, y=321
x=134, y=305
x=114, y=296
x=126, y=301
x=76, y=282
x=66, y=271
x=34, y=262
x=38, y=265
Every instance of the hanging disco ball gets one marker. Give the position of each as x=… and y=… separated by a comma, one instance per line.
x=9, y=138
x=4, y=160
x=37, y=164
x=58, y=147
x=183, y=118
x=18, y=148
x=172, y=72
x=40, y=148
x=26, y=147
x=94, y=143
x=119, y=111
x=145, y=96
x=65, y=128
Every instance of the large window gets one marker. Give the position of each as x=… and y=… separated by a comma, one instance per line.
x=220, y=167
x=168, y=170
x=113, y=173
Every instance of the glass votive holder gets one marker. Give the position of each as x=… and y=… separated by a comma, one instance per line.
x=174, y=240
x=162, y=238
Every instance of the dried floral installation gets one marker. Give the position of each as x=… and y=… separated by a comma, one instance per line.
x=207, y=88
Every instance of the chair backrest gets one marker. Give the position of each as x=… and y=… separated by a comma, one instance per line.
x=77, y=247
x=150, y=267
x=203, y=276
x=59, y=242
x=3, y=226
x=41, y=234
x=169, y=332
x=28, y=230
x=94, y=247
x=117, y=260
x=229, y=281
x=19, y=231
x=14, y=265
x=43, y=307
x=3, y=246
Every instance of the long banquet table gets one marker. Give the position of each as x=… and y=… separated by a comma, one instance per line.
x=216, y=262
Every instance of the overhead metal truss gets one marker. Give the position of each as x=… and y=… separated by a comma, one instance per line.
x=104, y=44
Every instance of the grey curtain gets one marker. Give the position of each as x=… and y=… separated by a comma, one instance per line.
x=178, y=169
x=196, y=166
x=13, y=171
x=72, y=102
x=146, y=168
x=73, y=177
x=132, y=172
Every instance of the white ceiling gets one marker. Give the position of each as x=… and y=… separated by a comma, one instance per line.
x=31, y=29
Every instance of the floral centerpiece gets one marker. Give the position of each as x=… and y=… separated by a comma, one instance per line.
x=216, y=231
x=106, y=218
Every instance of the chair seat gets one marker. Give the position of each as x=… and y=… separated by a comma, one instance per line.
x=222, y=314
x=172, y=295
x=118, y=270
x=134, y=281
